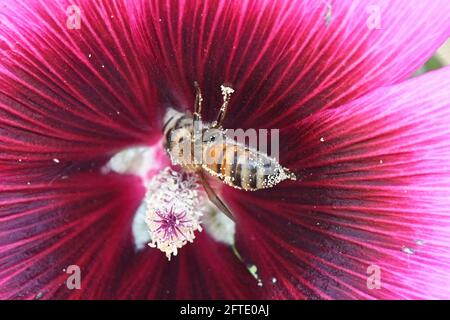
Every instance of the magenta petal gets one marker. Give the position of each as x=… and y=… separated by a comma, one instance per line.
x=373, y=174
x=51, y=219
x=71, y=94
x=48, y=225
x=204, y=269
x=288, y=58
x=373, y=189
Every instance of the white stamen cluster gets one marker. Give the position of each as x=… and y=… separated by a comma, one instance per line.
x=172, y=213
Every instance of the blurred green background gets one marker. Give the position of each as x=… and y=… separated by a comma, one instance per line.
x=440, y=59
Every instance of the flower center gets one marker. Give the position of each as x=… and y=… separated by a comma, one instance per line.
x=171, y=225
x=170, y=230
x=175, y=206
x=173, y=210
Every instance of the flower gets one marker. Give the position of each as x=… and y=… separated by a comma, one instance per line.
x=81, y=81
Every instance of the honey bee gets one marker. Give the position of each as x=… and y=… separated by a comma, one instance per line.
x=202, y=147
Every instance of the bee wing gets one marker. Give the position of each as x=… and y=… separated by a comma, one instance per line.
x=213, y=196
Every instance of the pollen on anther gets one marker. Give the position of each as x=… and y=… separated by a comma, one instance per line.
x=226, y=90
x=172, y=211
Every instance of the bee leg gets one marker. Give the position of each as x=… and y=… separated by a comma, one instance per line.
x=212, y=196
x=198, y=102
x=227, y=91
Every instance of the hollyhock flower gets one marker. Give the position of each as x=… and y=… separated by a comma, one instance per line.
x=82, y=82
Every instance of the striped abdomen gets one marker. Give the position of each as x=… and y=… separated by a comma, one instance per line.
x=242, y=167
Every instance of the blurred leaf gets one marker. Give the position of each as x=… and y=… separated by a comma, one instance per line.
x=432, y=64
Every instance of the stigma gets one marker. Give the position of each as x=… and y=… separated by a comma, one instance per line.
x=170, y=230
x=172, y=210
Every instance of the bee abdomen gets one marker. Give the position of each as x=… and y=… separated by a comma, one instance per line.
x=243, y=168
x=247, y=175
x=253, y=170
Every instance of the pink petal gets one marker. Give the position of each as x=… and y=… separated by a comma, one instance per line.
x=285, y=58
x=204, y=269
x=58, y=103
x=51, y=219
x=373, y=189
x=48, y=224
x=72, y=94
